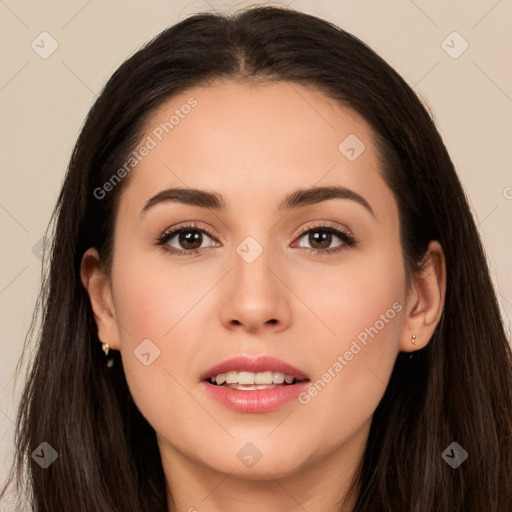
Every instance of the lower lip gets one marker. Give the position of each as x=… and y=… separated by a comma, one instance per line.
x=259, y=400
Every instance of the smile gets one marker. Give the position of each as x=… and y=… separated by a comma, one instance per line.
x=244, y=384
x=253, y=381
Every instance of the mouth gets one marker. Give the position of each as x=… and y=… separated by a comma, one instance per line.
x=250, y=381
x=259, y=385
x=244, y=372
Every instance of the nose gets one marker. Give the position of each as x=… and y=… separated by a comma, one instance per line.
x=256, y=298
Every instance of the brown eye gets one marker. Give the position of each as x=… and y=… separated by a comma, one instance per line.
x=186, y=240
x=190, y=239
x=319, y=239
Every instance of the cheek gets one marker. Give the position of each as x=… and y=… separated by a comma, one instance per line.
x=151, y=309
x=362, y=303
x=364, y=292
x=149, y=299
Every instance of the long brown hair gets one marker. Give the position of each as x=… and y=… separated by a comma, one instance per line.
x=456, y=389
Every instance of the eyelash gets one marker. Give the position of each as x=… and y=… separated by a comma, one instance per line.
x=344, y=235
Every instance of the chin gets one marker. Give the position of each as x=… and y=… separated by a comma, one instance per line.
x=260, y=467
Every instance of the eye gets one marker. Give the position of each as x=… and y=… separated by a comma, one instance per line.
x=320, y=237
x=185, y=239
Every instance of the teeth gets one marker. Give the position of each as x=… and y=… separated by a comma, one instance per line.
x=250, y=387
x=231, y=377
x=262, y=378
x=250, y=378
x=277, y=377
x=245, y=378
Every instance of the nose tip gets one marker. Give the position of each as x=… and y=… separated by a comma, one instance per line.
x=255, y=298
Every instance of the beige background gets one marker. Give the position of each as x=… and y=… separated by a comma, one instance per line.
x=43, y=103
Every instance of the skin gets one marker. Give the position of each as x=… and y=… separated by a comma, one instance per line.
x=255, y=145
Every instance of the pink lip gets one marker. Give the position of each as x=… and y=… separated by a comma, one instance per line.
x=256, y=401
x=255, y=365
x=259, y=400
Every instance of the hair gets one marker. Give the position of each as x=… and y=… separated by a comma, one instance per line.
x=457, y=388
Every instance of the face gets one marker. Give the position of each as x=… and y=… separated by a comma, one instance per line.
x=312, y=281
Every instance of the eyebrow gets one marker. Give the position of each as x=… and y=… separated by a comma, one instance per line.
x=215, y=201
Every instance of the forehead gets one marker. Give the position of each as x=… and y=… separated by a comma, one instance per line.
x=250, y=141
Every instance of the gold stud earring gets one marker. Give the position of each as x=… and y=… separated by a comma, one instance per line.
x=413, y=340
x=110, y=360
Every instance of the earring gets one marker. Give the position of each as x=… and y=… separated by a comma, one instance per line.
x=413, y=340
x=106, y=348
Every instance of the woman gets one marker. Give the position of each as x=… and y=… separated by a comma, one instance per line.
x=266, y=290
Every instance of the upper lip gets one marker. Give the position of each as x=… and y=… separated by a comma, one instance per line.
x=255, y=365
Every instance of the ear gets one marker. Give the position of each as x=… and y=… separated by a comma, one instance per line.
x=425, y=300
x=98, y=287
